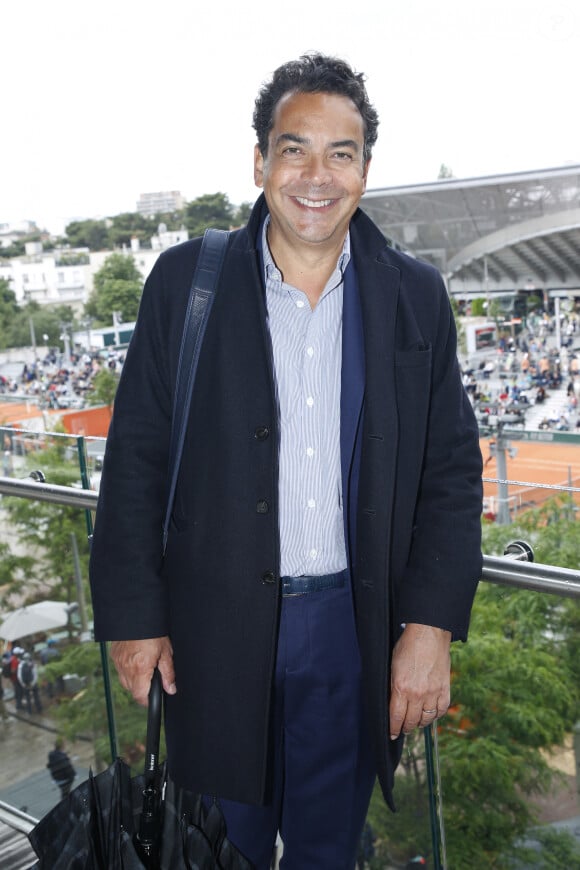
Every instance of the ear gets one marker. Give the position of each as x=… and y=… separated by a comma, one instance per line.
x=365, y=174
x=258, y=167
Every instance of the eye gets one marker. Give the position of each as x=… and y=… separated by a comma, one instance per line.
x=342, y=155
x=291, y=151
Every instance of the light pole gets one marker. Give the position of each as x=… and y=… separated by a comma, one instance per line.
x=499, y=448
x=65, y=338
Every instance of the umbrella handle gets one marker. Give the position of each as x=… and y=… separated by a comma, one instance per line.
x=153, y=728
x=147, y=837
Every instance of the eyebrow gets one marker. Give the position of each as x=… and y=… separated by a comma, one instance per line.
x=301, y=140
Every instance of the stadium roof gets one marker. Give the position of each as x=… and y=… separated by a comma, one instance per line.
x=502, y=232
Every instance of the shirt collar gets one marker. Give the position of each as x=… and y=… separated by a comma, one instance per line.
x=270, y=268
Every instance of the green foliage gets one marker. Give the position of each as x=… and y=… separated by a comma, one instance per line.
x=45, y=529
x=85, y=714
x=117, y=231
x=14, y=573
x=104, y=388
x=129, y=225
x=399, y=838
x=117, y=287
x=478, y=308
x=445, y=172
x=242, y=214
x=516, y=695
x=458, y=325
x=559, y=850
x=8, y=310
x=46, y=320
x=210, y=210
x=16, y=249
x=92, y=234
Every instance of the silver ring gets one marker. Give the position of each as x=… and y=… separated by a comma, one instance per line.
x=429, y=712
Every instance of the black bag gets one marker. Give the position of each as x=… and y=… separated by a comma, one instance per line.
x=26, y=674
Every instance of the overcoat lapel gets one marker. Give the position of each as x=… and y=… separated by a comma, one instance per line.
x=379, y=294
x=369, y=430
x=351, y=396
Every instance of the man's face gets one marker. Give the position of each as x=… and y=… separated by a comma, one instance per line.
x=314, y=174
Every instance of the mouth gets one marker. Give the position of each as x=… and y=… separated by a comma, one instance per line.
x=313, y=203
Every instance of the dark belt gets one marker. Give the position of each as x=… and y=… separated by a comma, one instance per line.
x=306, y=583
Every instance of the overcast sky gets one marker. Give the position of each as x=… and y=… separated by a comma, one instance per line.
x=103, y=101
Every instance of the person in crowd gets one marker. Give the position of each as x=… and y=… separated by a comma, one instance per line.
x=61, y=768
x=27, y=675
x=15, y=659
x=302, y=613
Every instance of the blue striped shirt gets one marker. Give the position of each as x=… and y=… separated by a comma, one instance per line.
x=307, y=348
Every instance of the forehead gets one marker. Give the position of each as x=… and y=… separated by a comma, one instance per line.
x=331, y=115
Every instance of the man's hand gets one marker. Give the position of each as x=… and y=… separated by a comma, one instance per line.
x=135, y=661
x=420, y=678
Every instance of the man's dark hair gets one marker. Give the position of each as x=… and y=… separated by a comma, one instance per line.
x=315, y=74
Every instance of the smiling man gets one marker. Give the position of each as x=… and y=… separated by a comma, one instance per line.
x=303, y=611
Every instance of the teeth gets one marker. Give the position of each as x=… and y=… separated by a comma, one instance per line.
x=313, y=203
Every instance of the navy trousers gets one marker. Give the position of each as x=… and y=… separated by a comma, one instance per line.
x=323, y=766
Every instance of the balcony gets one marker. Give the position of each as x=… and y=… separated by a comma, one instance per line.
x=494, y=785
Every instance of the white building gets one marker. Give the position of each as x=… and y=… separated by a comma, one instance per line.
x=65, y=277
x=49, y=278
x=161, y=202
x=14, y=232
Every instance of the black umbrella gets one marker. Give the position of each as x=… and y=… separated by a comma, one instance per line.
x=115, y=822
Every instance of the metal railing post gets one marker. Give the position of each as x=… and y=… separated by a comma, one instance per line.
x=102, y=644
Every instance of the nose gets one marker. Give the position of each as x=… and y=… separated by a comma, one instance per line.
x=317, y=172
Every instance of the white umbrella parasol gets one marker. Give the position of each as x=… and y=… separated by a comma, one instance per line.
x=42, y=616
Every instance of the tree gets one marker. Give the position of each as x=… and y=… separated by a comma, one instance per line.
x=478, y=307
x=8, y=310
x=210, y=210
x=92, y=234
x=117, y=287
x=461, y=344
x=517, y=682
x=445, y=172
x=45, y=529
x=46, y=320
x=242, y=214
x=104, y=388
x=129, y=225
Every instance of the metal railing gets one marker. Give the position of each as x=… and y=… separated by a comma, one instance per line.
x=514, y=568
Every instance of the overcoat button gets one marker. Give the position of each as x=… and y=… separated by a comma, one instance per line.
x=261, y=433
x=268, y=577
x=262, y=507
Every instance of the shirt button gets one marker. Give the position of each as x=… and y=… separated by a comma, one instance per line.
x=268, y=577
x=311, y=503
x=310, y=451
x=262, y=506
x=300, y=303
x=261, y=433
x=310, y=401
x=313, y=553
x=310, y=351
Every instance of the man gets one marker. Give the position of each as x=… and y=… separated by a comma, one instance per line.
x=61, y=768
x=28, y=678
x=15, y=661
x=325, y=538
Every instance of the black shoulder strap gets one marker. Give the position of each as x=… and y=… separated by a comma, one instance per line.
x=205, y=279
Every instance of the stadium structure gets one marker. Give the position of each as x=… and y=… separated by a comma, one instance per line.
x=503, y=235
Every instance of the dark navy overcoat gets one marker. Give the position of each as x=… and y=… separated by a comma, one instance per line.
x=411, y=470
